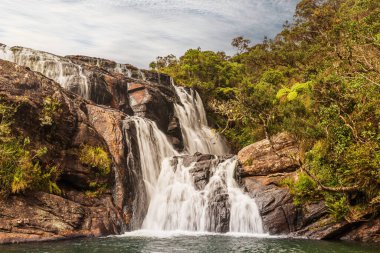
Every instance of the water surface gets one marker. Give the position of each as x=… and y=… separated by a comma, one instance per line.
x=136, y=242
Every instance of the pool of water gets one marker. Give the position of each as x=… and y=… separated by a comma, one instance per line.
x=146, y=242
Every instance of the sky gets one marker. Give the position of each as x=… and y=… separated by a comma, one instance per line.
x=137, y=31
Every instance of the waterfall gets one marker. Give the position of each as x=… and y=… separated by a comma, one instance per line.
x=178, y=205
x=62, y=70
x=166, y=192
x=122, y=69
x=197, y=136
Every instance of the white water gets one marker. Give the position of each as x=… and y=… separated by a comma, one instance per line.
x=197, y=136
x=123, y=69
x=68, y=74
x=174, y=202
x=177, y=205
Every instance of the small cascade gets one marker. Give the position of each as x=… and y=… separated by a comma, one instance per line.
x=69, y=75
x=197, y=136
x=141, y=75
x=220, y=207
x=123, y=69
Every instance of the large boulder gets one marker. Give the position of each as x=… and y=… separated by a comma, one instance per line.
x=280, y=154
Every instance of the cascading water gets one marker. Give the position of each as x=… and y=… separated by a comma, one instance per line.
x=175, y=202
x=178, y=205
x=197, y=136
x=68, y=74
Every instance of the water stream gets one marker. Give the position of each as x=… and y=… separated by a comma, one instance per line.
x=69, y=75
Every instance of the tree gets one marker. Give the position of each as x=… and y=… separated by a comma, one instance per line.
x=241, y=44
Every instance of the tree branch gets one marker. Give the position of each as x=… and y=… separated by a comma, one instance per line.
x=341, y=189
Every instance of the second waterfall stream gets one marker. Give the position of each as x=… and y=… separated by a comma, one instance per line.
x=174, y=202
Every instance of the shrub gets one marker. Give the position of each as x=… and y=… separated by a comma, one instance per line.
x=95, y=157
x=303, y=188
x=50, y=107
x=20, y=168
x=338, y=206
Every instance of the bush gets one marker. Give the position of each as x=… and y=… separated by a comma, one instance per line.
x=50, y=107
x=338, y=206
x=20, y=168
x=96, y=157
x=303, y=188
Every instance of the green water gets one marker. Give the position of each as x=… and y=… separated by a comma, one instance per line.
x=204, y=243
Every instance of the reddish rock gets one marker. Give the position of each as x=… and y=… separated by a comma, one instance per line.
x=262, y=158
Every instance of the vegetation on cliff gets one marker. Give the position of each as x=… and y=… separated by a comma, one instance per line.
x=20, y=168
x=319, y=80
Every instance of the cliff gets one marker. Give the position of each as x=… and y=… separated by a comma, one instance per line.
x=94, y=108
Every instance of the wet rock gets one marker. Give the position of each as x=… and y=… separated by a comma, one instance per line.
x=278, y=213
x=149, y=94
x=156, y=102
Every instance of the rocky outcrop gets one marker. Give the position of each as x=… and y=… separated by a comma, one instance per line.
x=156, y=102
x=268, y=157
x=80, y=122
x=262, y=167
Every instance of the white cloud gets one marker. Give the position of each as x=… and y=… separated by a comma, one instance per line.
x=136, y=31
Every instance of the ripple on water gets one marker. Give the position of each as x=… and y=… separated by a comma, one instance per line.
x=148, y=241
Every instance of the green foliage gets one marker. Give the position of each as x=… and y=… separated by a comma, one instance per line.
x=20, y=168
x=338, y=206
x=50, y=107
x=290, y=94
x=96, y=189
x=303, y=188
x=96, y=157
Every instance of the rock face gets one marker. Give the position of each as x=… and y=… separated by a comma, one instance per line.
x=262, y=167
x=119, y=86
x=150, y=95
x=115, y=92
x=156, y=102
x=42, y=216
